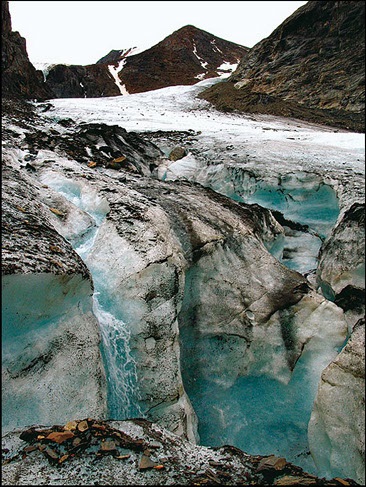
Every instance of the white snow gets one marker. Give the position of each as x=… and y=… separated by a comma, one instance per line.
x=214, y=47
x=227, y=68
x=286, y=144
x=203, y=63
x=200, y=76
x=114, y=72
x=45, y=68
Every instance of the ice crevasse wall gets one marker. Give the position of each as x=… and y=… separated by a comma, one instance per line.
x=51, y=364
x=323, y=221
x=192, y=279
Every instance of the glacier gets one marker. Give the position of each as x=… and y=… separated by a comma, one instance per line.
x=201, y=326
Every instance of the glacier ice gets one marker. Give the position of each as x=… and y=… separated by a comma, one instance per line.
x=185, y=297
x=50, y=357
x=336, y=427
x=122, y=399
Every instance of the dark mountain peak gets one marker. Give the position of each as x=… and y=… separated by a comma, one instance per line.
x=190, y=33
x=116, y=55
x=185, y=57
x=6, y=27
x=312, y=67
x=188, y=29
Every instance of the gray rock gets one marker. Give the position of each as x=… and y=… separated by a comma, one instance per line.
x=175, y=462
x=177, y=153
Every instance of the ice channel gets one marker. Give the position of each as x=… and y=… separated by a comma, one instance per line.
x=258, y=413
x=300, y=197
x=122, y=394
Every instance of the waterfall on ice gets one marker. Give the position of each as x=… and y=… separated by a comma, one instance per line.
x=118, y=360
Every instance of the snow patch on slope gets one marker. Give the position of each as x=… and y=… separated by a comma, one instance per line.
x=114, y=72
x=226, y=69
x=202, y=61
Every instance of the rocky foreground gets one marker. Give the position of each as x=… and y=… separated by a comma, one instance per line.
x=136, y=452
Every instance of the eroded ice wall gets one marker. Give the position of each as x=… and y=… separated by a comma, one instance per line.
x=337, y=425
x=341, y=271
x=137, y=271
x=188, y=272
x=51, y=364
x=306, y=204
x=340, y=398
x=254, y=342
x=50, y=350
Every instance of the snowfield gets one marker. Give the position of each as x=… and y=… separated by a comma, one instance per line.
x=292, y=143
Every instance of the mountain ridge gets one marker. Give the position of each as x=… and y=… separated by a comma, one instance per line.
x=185, y=57
x=311, y=67
x=20, y=79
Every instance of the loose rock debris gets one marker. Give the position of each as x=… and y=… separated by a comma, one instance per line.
x=143, y=448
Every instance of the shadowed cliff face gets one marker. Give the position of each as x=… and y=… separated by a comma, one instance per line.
x=183, y=58
x=76, y=81
x=311, y=67
x=20, y=79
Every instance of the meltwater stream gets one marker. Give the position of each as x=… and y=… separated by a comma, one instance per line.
x=122, y=393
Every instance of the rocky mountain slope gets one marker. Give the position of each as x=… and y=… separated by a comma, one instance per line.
x=311, y=67
x=19, y=77
x=183, y=58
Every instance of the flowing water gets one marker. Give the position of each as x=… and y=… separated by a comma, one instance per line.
x=122, y=392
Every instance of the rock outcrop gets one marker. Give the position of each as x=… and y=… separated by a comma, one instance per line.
x=183, y=58
x=20, y=79
x=98, y=145
x=311, y=67
x=75, y=81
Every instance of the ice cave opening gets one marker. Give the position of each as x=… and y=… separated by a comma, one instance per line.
x=303, y=202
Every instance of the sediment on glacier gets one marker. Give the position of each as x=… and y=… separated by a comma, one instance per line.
x=136, y=452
